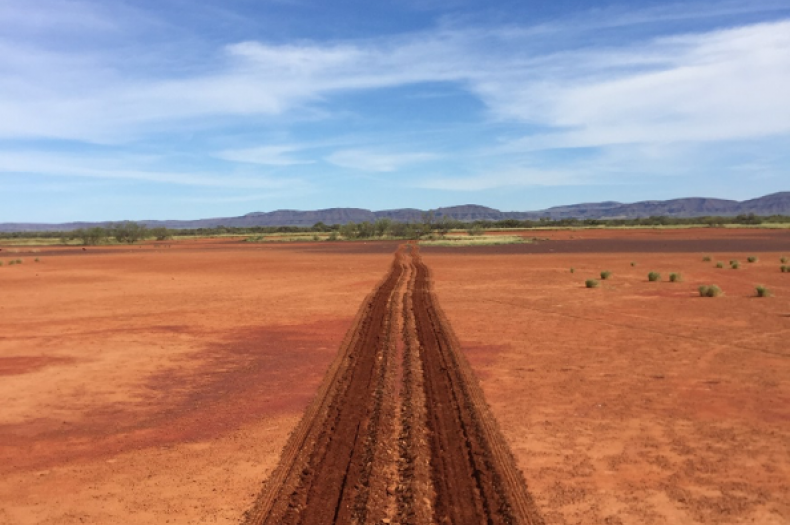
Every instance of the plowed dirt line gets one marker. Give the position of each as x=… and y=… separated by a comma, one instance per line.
x=399, y=431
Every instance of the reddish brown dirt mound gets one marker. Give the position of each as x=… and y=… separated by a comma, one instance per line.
x=422, y=448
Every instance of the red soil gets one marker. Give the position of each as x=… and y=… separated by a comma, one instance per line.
x=155, y=385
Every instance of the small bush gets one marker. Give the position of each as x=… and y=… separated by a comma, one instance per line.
x=37, y=259
x=1, y=264
x=783, y=260
x=706, y=259
x=675, y=278
x=709, y=291
x=784, y=269
x=573, y=270
x=591, y=283
x=762, y=291
x=751, y=259
x=605, y=274
x=11, y=262
x=633, y=263
x=332, y=236
x=719, y=264
x=653, y=276
x=735, y=265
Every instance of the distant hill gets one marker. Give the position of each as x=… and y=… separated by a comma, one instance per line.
x=774, y=204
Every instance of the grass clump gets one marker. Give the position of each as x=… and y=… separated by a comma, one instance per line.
x=784, y=269
x=709, y=291
x=37, y=260
x=675, y=278
x=735, y=265
x=706, y=259
x=653, y=276
x=719, y=264
x=591, y=283
x=783, y=260
x=573, y=270
x=752, y=259
x=762, y=291
x=633, y=263
x=605, y=274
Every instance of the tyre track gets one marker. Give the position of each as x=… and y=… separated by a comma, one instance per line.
x=399, y=431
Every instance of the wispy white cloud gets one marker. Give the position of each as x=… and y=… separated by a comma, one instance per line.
x=273, y=155
x=133, y=168
x=376, y=161
x=707, y=86
x=715, y=86
x=504, y=177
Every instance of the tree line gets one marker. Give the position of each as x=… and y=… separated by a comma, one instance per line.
x=129, y=232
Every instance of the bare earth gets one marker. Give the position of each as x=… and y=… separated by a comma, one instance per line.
x=158, y=385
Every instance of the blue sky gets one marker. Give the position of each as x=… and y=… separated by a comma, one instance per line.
x=174, y=109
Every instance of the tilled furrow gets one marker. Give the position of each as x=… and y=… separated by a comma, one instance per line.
x=399, y=431
x=475, y=482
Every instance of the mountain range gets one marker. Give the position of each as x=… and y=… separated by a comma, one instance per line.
x=773, y=204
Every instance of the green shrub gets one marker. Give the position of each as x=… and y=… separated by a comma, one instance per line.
x=783, y=260
x=591, y=283
x=709, y=291
x=706, y=259
x=332, y=236
x=654, y=276
x=1, y=264
x=762, y=291
x=719, y=264
x=605, y=274
x=11, y=262
x=751, y=259
x=735, y=265
x=784, y=269
x=675, y=278
x=36, y=260
x=633, y=263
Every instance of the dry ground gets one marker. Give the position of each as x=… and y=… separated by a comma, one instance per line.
x=158, y=385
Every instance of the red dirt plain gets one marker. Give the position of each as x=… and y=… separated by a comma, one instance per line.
x=158, y=385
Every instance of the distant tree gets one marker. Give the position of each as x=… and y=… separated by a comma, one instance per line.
x=90, y=236
x=161, y=233
x=383, y=227
x=129, y=232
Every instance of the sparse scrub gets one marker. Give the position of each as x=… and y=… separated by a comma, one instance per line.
x=706, y=259
x=605, y=274
x=37, y=259
x=762, y=291
x=709, y=291
x=633, y=263
x=591, y=283
x=735, y=265
x=719, y=264
x=783, y=260
x=574, y=269
x=752, y=259
x=653, y=276
x=675, y=278
x=784, y=269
